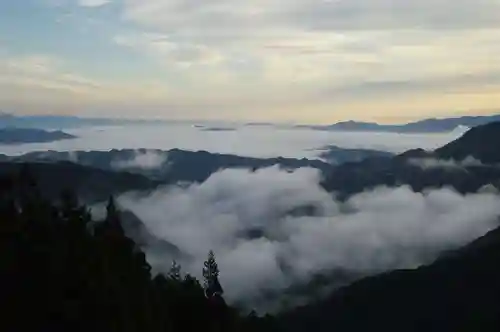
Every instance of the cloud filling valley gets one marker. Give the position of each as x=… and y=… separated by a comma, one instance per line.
x=271, y=229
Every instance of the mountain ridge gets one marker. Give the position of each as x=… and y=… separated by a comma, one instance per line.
x=432, y=125
x=478, y=142
x=66, y=121
x=409, y=168
x=90, y=184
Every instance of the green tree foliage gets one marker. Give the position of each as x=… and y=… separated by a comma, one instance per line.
x=62, y=271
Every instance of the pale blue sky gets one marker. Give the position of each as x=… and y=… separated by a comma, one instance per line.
x=272, y=60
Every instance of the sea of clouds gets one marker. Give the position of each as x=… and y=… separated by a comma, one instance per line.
x=377, y=230
x=255, y=141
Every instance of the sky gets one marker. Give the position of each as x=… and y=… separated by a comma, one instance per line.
x=306, y=61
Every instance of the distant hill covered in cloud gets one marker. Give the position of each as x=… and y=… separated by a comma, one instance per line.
x=423, y=126
x=432, y=125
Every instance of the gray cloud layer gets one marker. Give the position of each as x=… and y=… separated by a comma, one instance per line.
x=256, y=224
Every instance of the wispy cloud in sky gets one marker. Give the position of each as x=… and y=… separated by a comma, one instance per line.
x=301, y=60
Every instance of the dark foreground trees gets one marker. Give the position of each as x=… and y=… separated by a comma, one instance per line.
x=62, y=271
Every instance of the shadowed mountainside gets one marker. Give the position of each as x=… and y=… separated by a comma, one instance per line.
x=90, y=184
x=480, y=142
x=62, y=270
x=409, y=168
x=168, y=166
x=458, y=292
x=423, y=126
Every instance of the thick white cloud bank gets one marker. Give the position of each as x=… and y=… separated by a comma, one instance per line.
x=257, y=141
x=264, y=241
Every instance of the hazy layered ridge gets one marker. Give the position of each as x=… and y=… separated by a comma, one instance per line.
x=257, y=141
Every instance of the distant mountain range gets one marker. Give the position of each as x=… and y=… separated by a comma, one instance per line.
x=336, y=155
x=167, y=166
x=423, y=126
x=183, y=164
x=63, y=121
x=466, y=164
x=12, y=135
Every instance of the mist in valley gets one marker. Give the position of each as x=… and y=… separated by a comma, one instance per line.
x=273, y=229
x=254, y=141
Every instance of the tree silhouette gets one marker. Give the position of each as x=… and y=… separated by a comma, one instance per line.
x=211, y=276
x=112, y=215
x=175, y=271
x=62, y=271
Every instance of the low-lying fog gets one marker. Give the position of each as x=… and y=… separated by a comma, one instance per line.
x=264, y=240
x=256, y=141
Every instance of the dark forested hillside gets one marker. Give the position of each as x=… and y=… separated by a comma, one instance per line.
x=448, y=166
x=62, y=271
x=90, y=184
x=459, y=292
x=354, y=178
x=170, y=166
x=480, y=142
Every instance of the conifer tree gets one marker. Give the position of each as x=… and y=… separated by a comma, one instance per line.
x=111, y=210
x=211, y=276
x=112, y=215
